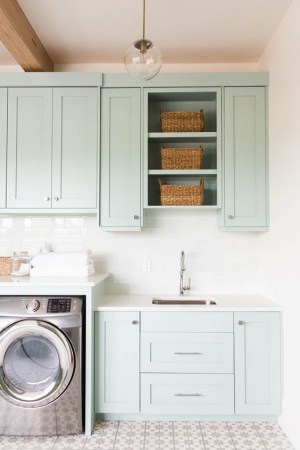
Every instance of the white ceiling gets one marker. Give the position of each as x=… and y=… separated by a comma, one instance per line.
x=186, y=31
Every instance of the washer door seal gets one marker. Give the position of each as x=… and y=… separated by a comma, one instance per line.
x=37, y=363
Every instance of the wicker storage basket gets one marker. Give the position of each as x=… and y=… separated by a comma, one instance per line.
x=4, y=265
x=178, y=195
x=181, y=121
x=181, y=158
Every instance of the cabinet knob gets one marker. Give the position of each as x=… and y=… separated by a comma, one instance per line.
x=46, y=199
x=136, y=217
x=56, y=199
x=241, y=322
x=135, y=322
x=230, y=216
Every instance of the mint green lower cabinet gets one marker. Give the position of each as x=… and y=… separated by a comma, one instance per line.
x=187, y=394
x=187, y=352
x=120, y=206
x=3, y=132
x=187, y=363
x=245, y=159
x=257, y=363
x=117, y=362
x=194, y=363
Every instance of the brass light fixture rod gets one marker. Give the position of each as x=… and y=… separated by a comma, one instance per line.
x=144, y=20
x=143, y=44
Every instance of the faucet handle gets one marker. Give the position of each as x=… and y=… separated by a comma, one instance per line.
x=188, y=287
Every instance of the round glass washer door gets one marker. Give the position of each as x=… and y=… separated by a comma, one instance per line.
x=37, y=363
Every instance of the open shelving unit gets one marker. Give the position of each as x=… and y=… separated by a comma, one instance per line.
x=183, y=99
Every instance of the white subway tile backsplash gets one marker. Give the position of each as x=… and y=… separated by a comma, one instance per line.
x=41, y=222
x=216, y=261
x=74, y=222
x=27, y=223
x=58, y=222
x=6, y=222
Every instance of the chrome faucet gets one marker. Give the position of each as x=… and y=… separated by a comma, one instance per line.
x=183, y=288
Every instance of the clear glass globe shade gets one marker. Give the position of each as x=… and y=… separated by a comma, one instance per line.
x=142, y=59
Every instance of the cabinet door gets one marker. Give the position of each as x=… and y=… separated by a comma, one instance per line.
x=120, y=158
x=3, y=130
x=29, y=148
x=117, y=362
x=75, y=147
x=257, y=363
x=245, y=196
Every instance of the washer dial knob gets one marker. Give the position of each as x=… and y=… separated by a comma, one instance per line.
x=32, y=305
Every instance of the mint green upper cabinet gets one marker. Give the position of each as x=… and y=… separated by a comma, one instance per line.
x=120, y=159
x=245, y=159
x=3, y=131
x=117, y=362
x=257, y=363
x=52, y=148
x=75, y=148
x=29, y=148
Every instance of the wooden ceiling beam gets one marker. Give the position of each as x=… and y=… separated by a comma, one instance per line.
x=20, y=39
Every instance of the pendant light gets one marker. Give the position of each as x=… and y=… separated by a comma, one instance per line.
x=143, y=58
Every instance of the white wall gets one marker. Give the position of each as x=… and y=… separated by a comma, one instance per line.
x=280, y=248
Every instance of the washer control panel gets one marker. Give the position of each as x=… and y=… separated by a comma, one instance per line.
x=40, y=305
x=59, y=305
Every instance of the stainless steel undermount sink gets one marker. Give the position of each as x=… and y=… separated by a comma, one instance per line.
x=176, y=300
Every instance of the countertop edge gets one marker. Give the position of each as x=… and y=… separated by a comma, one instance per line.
x=93, y=280
x=226, y=303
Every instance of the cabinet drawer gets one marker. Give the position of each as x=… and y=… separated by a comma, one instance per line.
x=187, y=352
x=189, y=322
x=187, y=394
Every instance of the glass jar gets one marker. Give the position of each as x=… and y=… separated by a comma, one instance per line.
x=20, y=264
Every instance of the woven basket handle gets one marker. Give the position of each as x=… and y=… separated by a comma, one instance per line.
x=160, y=183
x=202, y=182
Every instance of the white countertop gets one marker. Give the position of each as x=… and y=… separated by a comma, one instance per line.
x=27, y=281
x=226, y=302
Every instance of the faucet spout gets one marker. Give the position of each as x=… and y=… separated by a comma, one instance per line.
x=182, y=287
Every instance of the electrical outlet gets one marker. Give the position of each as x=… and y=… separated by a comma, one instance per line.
x=146, y=265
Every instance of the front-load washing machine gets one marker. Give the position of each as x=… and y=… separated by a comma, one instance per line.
x=40, y=365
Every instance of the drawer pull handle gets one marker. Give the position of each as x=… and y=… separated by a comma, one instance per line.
x=135, y=322
x=241, y=322
x=188, y=353
x=188, y=395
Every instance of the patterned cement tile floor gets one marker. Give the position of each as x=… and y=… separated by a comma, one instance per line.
x=162, y=435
